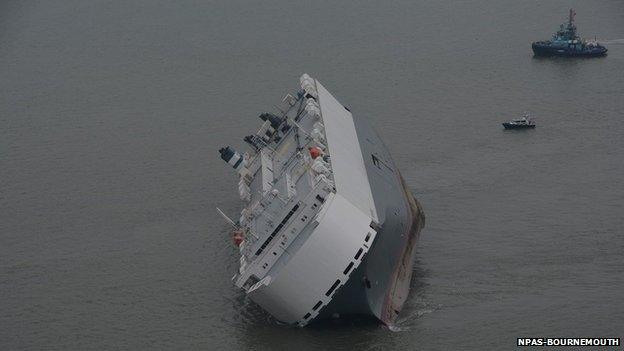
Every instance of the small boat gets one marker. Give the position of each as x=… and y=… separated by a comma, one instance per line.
x=526, y=122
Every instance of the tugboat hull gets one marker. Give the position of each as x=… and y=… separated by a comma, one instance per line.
x=567, y=42
x=544, y=49
x=518, y=126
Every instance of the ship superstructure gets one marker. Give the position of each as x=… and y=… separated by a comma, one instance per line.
x=566, y=42
x=314, y=184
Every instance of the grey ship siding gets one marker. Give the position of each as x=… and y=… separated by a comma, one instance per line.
x=380, y=285
x=325, y=232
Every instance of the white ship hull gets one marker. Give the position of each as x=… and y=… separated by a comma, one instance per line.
x=346, y=247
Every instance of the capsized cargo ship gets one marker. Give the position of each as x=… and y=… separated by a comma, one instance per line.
x=328, y=225
x=566, y=42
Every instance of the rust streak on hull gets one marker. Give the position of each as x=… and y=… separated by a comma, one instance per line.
x=399, y=288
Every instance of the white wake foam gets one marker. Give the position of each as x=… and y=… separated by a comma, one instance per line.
x=611, y=41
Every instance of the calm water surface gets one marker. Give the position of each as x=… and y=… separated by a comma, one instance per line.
x=112, y=112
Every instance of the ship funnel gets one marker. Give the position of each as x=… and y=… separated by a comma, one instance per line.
x=273, y=119
x=232, y=157
x=253, y=141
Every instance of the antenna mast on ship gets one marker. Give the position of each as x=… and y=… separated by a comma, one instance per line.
x=571, y=17
x=571, y=27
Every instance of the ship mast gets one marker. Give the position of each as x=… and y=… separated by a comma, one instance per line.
x=571, y=30
x=571, y=17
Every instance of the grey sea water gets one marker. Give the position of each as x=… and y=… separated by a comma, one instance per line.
x=111, y=114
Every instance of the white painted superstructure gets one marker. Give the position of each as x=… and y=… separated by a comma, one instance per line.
x=316, y=270
x=311, y=218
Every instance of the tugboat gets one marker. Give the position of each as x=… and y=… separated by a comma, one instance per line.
x=566, y=42
x=526, y=122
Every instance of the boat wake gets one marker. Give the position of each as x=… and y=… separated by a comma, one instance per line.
x=611, y=41
x=412, y=317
